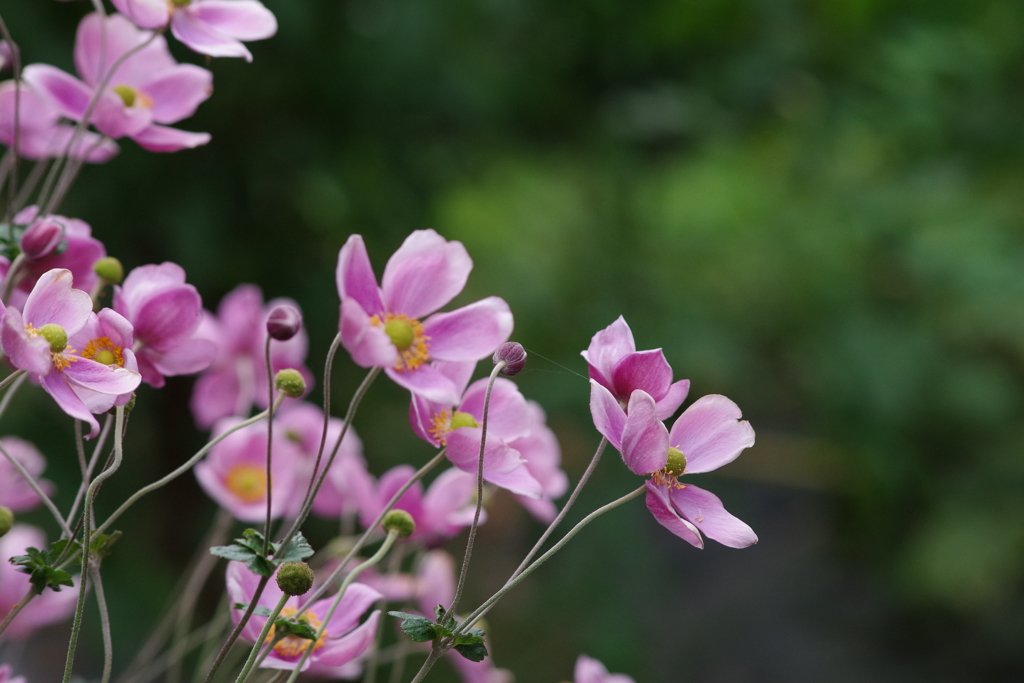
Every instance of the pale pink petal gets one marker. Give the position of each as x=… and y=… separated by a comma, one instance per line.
x=354, y=276
x=592, y=671
x=70, y=95
x=710, y=433
x=509, y=416
x=144, y=13
x=705, y=511
x=669, y=404
x=436, y=575
x=644, y=437
x=543, y=510
x=177, y=92
x=644, y=370
x=100, y=43
x=192, y=356
x=342, y=650
x=215, y=396
x=29, y=353
x=104, y=379
x=471, y=332
x=368, y=344
x=57, y=387
x=607, y=348
x=608, y=415
x=242, y=19
x=205, y=39
x=421, y=416
x=54, y=300
x=357, y=599
x=424, y=274
x=448, y=496
x=661, y=507
x=164, y=139
x=518, y=481
x=426, y=381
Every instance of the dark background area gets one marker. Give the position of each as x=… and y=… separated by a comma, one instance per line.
x=815, y=207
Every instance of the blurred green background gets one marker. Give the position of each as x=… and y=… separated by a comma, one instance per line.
x=815, y=207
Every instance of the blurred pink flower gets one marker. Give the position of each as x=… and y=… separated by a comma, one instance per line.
x=15, y=493
x=146, y=90
x=48, y=608
x=381, y=326
x=238, y=376
x=706, y=436
x=7, y=675
x=592, y=671
x=543, y=457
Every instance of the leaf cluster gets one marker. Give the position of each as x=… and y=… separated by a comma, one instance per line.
x=469, y=644
x=249, y=549
x=39, y=564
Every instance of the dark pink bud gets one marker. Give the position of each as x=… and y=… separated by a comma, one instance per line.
x=284, y=322
x=514, y=356
x=41, y=239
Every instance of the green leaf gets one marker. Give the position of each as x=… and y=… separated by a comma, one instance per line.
x=475, y=652
x=470, y=637
x=100, y=545
x=248, y=549
x=259, y=610
x=288, y=625
x=36, y=564
x=420, y=629
x=297, y=551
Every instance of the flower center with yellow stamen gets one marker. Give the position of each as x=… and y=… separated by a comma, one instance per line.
x=407, y=335
x=247, y=482
x=104, y=351
x=130, y=96
x=58, y=340
x=674, y=468
x=446, y=422
x=292, y=646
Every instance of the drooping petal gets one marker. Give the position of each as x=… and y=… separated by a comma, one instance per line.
x=29, y=353
x=177, y=92
x=164, y=139
x=644, y=437
x=426, y=381
x=660, y=505
x=104, y=379
x=645, y=370
x=674, y=398
x=471, y=332
x=354, y=276
x=424, y=274
x=54, y=300
x=705, y=511
x=205, y=39
x=144, y=13
x=56, y=386
x=503, y=465
x=241, y=19
x=368, y=344
x=608, y=415
x=607, y=348
x=710, y=433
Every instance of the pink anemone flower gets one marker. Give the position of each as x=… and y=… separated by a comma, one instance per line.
x=458, y=428
x=706, y=436
x=15, y=493
x=165, y=313
x=37, y=340
x=146, y=91
x=210, y=27
x=543, y=458
x=382, y=327
x=237, y=379
x=615, y=364
x=592, y=671
x=343, y=640
x=48, y=608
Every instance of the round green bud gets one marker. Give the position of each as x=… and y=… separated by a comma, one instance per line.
x=6, y=520
x=290, y=383
x=460, y=419
x=109, y=269
x=295, y=578
x=676, y=464
x=399, y=520
x=401, y=332
x=127, y=94
x=56, y=335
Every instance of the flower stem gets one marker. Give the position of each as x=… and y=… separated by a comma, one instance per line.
x=498, y=367
x=261, y=639
x=238, y=628
x=100, y=441
x=15, y=609
x=10, y=378
x=270, y=443
x=108, y=644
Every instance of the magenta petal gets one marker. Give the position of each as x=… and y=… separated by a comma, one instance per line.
x=192, y=356
x=543, y=510
x=710, y=433
x=357, y=599
x=705, y=511
x=471, y=332
x=205, y=39
x=354, y=276
x=105, y=379
x=661, y=507
x=28, y=353
x=215, y=396
x=428, y=382
x=57, y=387
x=421, y=417
x=177, y=92
x=518, y=481
x=66, y=92
x=446, y=498
x=144, y=13
x=54, y=300
x=436, y=575
x=669, y=404
x=242, y=19
x=168, y=318
x=163, y=139
x=424, y=274
x=509, y=416
x=343, y=650
x=644, y=437
x=645, y=370
x=608, y=415
x=368, y=344
x=607, y=348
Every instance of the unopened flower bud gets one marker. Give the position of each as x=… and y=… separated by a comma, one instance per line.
x=109, y=269
x=399, y=520
x=284, y=322
x=290, y=383
x=6, y=520
x=41, y=239
x=514, y=356
x=294, y=578
x=56, y=335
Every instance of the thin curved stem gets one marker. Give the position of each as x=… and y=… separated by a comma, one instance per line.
x=108, y=643
x=15, y=609
x=270, y=443
x=39, y=492
x=11, y=377
x=11, y=392
x=328, y=368
x=238, y=628
x=261, y=639
x=100, y=441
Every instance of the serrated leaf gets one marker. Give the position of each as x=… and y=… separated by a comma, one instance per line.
x=470, y=638
x=420, y=629
x=100, y=546
x=474, y=652
x=260, y=565
x=259, y=610
x=231, y=552
x=295, y=628
x=41, y=575
x=298, y=550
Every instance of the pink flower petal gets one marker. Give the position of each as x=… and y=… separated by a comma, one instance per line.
x=205, y=39
x=25, y=352
x=163, y=139
x=592, y=671
x=424, y=274
x=355, y=278
x=54, y=300
x=661, y=507
x=368, y=344
x=607, y=348
x=70, y=95
x=215, y=396
x=710, y=433
x=668, y=405
x=100, y=43
x=56, y=386
x=436, y=575
x=241, y=19
x=608, y=415
x=342, y=650
x=191, y=356
x=644, y=370
x=144, y=13
x=104, y=379
x=168, y=318
x=177, y=92
x=705, y=511
x=426, y=381
x=471, y=332
x=357, y=599
x=508, y=417
x=644, y=437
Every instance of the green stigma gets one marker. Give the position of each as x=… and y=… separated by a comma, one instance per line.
x=676, y=464
x=104, y=356
x=401, y=332
x=56, y=335
x=462, y=420
x=180, y=3
x=127, y=94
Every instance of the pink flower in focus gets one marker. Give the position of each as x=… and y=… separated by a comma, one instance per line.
x=458, y=428
x=592, y=671
x=165, y=313
x=235, y=473
x=543, y=458
x=41, y=134
x=48, y=608
x=107, y=338
x=615, y=364
x=54, y=307
x=210, y=27
x=382, y=327
x=238, y=377
x=148, y=89
x=706, y=436
x=15, y=493
x=343, y=640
